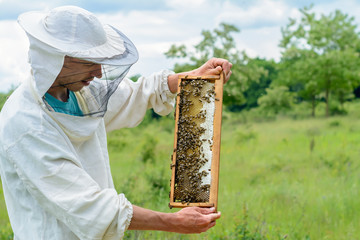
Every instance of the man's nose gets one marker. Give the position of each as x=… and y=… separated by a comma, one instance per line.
x=96, y=72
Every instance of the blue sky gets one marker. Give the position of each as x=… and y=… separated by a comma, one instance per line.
x=153, y=25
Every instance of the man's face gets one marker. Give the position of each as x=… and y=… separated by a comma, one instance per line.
x=77, y=73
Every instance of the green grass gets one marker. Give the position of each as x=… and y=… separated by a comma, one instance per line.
x=288, y=189
x=5, y=228
x=281, y=179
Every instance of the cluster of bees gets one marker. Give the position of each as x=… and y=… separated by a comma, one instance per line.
x=190, y=157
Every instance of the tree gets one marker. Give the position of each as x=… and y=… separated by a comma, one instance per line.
x=258, y=88
x=276, y=100
x=295, y=73
x=320, y=57
x=220, y=43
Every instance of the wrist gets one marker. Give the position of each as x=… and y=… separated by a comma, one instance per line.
x=146, y=219
x=166, y=222
x=173, y=80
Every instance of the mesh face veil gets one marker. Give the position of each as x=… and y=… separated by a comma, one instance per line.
x=94, y=91
x=97, y=94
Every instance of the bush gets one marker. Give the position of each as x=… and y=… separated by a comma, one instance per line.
x=276, y=100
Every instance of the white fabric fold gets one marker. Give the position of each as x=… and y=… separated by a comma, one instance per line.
x=153, y=90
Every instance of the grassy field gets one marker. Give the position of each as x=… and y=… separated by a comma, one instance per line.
x=280, y=179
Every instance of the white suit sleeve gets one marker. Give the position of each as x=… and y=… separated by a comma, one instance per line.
x=128, y=105
x=50, y=172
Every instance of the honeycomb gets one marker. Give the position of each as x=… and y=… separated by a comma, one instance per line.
x=194, y=142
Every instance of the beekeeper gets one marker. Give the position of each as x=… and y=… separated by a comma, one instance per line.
x=54, y=162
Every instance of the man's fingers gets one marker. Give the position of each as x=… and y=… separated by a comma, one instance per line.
x=226, y=66
x=214, y=216
x=227, y=76
x=212, y=219
x=215, y=71
x=212, y=224
x=205, y=210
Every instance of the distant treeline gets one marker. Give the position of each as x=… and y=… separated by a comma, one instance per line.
x=319, y=63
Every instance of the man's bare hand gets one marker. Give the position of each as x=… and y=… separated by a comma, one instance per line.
x=187, y=220
x=196, y=219
x=214, y=67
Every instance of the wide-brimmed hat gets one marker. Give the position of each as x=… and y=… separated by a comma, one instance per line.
x=78, y=33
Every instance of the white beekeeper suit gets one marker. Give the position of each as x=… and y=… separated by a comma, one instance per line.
x=55, y=167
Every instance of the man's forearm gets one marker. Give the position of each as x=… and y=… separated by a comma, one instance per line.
x=145, y=219
x=187, y=220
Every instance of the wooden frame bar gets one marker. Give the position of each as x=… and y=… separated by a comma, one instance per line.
x=218, y=81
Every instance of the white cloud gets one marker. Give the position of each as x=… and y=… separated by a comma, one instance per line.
x=176, y=4
x=261, y=42
x=13, y=52
x=350, y=7
x=262, y=13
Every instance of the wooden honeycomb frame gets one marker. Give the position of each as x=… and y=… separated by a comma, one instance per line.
x=212, y=201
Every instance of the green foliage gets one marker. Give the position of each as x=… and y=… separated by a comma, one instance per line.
x=176, y=52
x=244, y=136
x=3, y=98
x=220, y=43
x=242, y=231
x=334, y=123
x=135, y=77
x=320, y=58
x=243, y=74
x=148, y=149
x=117, y=142
x=333, y=32
x=258, y=88
x=276, y=100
